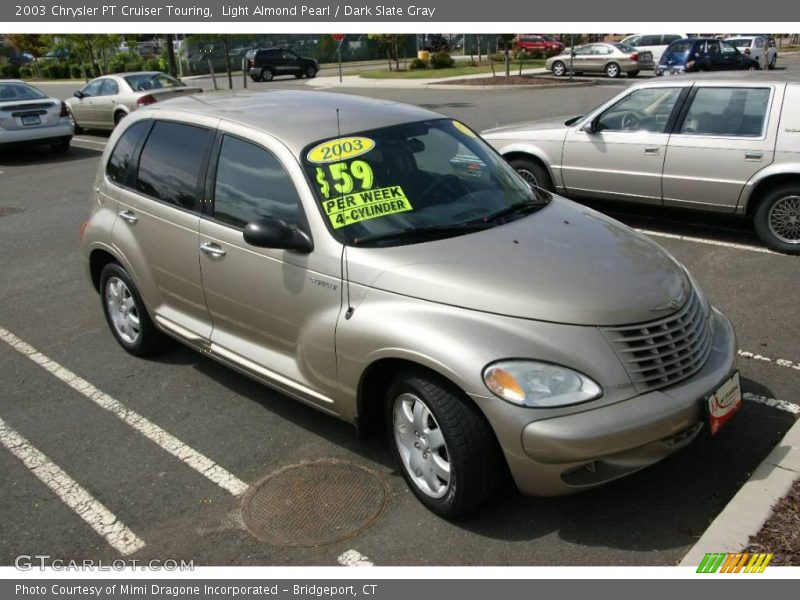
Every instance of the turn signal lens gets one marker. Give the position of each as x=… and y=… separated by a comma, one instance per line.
x=539, y=385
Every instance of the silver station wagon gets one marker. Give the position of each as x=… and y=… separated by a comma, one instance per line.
x=724, y=146
x=383, y=264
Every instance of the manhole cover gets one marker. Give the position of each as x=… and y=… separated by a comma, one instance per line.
x=9, y=210
x=313, y=504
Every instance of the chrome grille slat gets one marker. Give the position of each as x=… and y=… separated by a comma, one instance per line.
x=661, y=353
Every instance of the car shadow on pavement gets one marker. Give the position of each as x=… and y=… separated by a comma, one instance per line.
x=42, y=155
x=666, y=506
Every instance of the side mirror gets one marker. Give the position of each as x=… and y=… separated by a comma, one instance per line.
x=79, y=95
x=589, y=127
x=276, y=233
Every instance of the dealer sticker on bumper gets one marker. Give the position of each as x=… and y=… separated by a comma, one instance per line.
x=723, y=403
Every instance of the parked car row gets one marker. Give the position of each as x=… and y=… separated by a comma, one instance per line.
x=666, y=54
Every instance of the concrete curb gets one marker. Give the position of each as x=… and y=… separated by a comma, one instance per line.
x=546, y=86
x=749, y=509
x=356, y=81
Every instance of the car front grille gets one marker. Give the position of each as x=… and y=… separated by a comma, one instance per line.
x=660, y=353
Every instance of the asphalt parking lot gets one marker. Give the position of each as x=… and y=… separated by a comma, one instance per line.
x=133, y=433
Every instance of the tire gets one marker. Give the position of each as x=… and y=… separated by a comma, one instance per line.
x=612, y=70
x=559, y=69
x=533, y=173
x=777, y=219
x=267, y=75
x=310, y=72
x=298, y=75
x=62, y=146
x=254, y=78
x=465, y=451
x=123, y=308
x=77, y=129
x=773, y=62
x=118, y=116
x=633, y=73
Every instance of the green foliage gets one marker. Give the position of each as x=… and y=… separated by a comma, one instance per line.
x=418, y=63
x=442, y=60
x=497, y=57
x=25, y=72
x=10, y=71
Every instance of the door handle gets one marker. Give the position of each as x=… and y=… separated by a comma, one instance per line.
x=753, y=156
x=652, y=151
x=128, y=216
x=212, y=249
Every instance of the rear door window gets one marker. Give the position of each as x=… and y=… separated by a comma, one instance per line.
x=720, y=111
x=651, y=40
x=170, y=163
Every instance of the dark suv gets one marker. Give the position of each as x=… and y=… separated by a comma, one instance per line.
x=265, y=63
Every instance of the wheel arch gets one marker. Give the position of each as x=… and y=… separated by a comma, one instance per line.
x=535, y=157
x=98, y=259
x=764, y=185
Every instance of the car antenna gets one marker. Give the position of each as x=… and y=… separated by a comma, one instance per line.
x=345, y=265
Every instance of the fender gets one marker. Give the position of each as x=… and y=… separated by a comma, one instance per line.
x=776, y=169
x=549, y=153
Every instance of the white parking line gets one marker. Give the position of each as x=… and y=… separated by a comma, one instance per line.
x=698, y=240
x=94, y=513
x=88, y=140
x=781, y=362
x=779, y=404
x=353, y=558
x=197, y=461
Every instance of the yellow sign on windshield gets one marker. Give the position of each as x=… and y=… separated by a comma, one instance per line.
x=339, y=149
x=365, y=205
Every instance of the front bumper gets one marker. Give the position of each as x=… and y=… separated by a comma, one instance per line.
x=586, y=449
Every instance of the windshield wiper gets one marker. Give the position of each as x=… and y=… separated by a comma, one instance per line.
x=426, y=231
x=520, y=207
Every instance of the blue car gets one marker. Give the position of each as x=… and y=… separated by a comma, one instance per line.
x=703, y=54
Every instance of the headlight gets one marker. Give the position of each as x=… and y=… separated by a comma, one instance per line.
x=539, y=385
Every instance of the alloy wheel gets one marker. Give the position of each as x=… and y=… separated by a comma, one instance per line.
x=421, y=445
x=783, y=219
x=123, y=310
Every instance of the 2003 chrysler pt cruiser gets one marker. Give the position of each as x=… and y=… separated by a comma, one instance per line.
x=383, y=264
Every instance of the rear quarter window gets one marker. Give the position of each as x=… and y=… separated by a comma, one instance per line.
x=117, y=168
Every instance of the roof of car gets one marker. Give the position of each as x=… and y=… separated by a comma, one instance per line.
x=298, y=118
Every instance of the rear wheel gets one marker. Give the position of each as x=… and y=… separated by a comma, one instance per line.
x=773, y=61
x=446, y=450
x=612, y=70
x=777, y=219
x=559, y=68
x=532, y=172
x=267, y=75
x=126, y=313
x=118, y=116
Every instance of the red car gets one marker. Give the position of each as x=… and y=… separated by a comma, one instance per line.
x=532, y=42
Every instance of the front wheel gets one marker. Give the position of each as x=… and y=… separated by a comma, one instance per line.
x=558, y=68
x=446, y=450
x=612, y=70
x=532, y=172
x=126, y=314
x=777, y=219
x=310, y=72
x=633, y=74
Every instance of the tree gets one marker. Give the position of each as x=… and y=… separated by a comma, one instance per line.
x=506, y=39
x=391, y=44
x=88, y=48
x=32, y=43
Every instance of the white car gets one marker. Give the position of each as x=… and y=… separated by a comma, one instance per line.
x=28, y=116
x=757, y=47
x=656, y=43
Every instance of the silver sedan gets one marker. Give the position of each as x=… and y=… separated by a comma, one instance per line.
x=104, y=101
x=613, y=59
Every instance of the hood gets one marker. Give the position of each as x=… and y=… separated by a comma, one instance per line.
x=554, y=124
x=565, y=263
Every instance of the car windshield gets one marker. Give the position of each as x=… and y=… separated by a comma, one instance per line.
x=19, y=91
x=740, y=43
x=152, y=81
x=387, y=186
